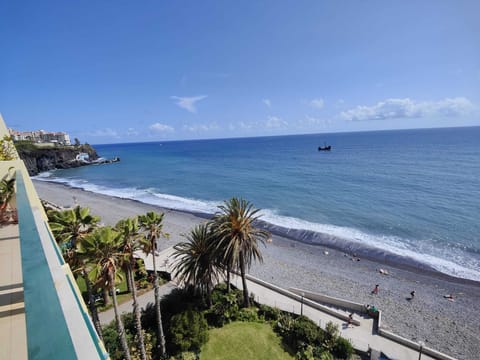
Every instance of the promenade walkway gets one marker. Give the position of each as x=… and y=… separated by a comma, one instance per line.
x=149, y=297
x=362, y=337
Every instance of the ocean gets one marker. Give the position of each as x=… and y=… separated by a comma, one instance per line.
x=405, y=196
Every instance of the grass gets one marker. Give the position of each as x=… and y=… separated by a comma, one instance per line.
x=83, y=288
x=244, y=340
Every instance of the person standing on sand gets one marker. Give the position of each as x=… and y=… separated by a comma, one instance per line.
x=412, y=294
x=375, y=290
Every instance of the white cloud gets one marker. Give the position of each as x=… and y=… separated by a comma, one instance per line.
x=242, y=125
x=317, y=103
x=267, y=102
x=407, y=108
x=274, y=122
x=310, y=120
x=188, y=103
x=200, y=127
x=105, y=133
x=161, y=128
x=132, y=132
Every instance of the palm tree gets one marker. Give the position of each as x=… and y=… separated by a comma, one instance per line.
x=103, y=249
x=130, y=231
x=195, y=263
x=68, y=227
x=238, y=237
x=7, y=193
x=152, y=224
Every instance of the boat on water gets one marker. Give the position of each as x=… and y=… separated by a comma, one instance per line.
x=325, y=148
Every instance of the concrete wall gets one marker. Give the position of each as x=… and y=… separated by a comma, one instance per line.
x=411, y=344
x=344, y=304
x=305, y=300
x=381, y=331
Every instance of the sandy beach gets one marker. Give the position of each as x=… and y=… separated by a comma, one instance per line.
x=452, y=327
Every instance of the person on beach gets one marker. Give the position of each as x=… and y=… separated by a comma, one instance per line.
x=383, y=271
x=412, y=294
x=375, y=290
x=350, y=320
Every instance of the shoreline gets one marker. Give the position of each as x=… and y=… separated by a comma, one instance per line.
x=313, y=238
x=447, y=326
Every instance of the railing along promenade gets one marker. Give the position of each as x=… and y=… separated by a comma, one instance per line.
x=42, y=313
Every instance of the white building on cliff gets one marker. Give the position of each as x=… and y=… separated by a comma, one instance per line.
x=41, y=136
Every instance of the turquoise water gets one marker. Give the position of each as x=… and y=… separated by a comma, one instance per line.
x=410, y=196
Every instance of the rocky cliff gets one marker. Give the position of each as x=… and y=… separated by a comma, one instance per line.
x=38, y=160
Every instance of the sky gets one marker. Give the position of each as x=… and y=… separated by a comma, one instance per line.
x=133, y=71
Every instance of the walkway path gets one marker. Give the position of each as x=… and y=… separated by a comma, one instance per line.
x=149, y=297
x=362, y=337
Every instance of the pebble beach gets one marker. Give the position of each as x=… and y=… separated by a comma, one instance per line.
x=452, y=327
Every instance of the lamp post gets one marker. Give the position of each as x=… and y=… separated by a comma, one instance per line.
x=301, y=304
x=422, y=344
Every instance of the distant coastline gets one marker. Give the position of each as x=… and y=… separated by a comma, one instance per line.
x=389, y=196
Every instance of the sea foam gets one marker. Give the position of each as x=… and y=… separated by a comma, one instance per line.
x=353, y=241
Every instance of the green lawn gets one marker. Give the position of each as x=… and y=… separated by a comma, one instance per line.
x=244, y=340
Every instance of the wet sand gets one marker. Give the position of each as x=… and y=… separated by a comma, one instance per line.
x=452, y=327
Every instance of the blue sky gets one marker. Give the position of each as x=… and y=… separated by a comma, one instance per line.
x=130, y=71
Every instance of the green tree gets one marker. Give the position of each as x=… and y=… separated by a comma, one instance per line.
x=7, y=193
x=237, y=237
x=7, y=149
x=103, y=249
x=130, y=235
x=195, y=264
x=189, y=330
x=152, y=224
x=68, y=227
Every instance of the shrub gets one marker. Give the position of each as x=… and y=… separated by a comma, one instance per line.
x=135, y=350
x=325, y=356
x=342, y=349
x=173, y=303
x=284, y=326
x=332, y=333
x=305, y=353
x=248, y=314
x=189, y=330
x=187, y=355
x=112, y=340
x=268, y=313
x=306, y=331
x=298, y=333
x=225, y=307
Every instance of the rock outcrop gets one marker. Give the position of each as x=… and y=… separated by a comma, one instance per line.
x=38, y=159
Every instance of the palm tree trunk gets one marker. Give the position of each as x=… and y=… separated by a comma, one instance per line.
x=128, y=271
x=246, y=300
x=209, y=296
x=118, y=319
x=160, y=335
x=228, y=278
x=138, y=320
x=91, y=305
x=106, y=298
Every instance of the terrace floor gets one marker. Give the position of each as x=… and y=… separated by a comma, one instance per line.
x=13, y=333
